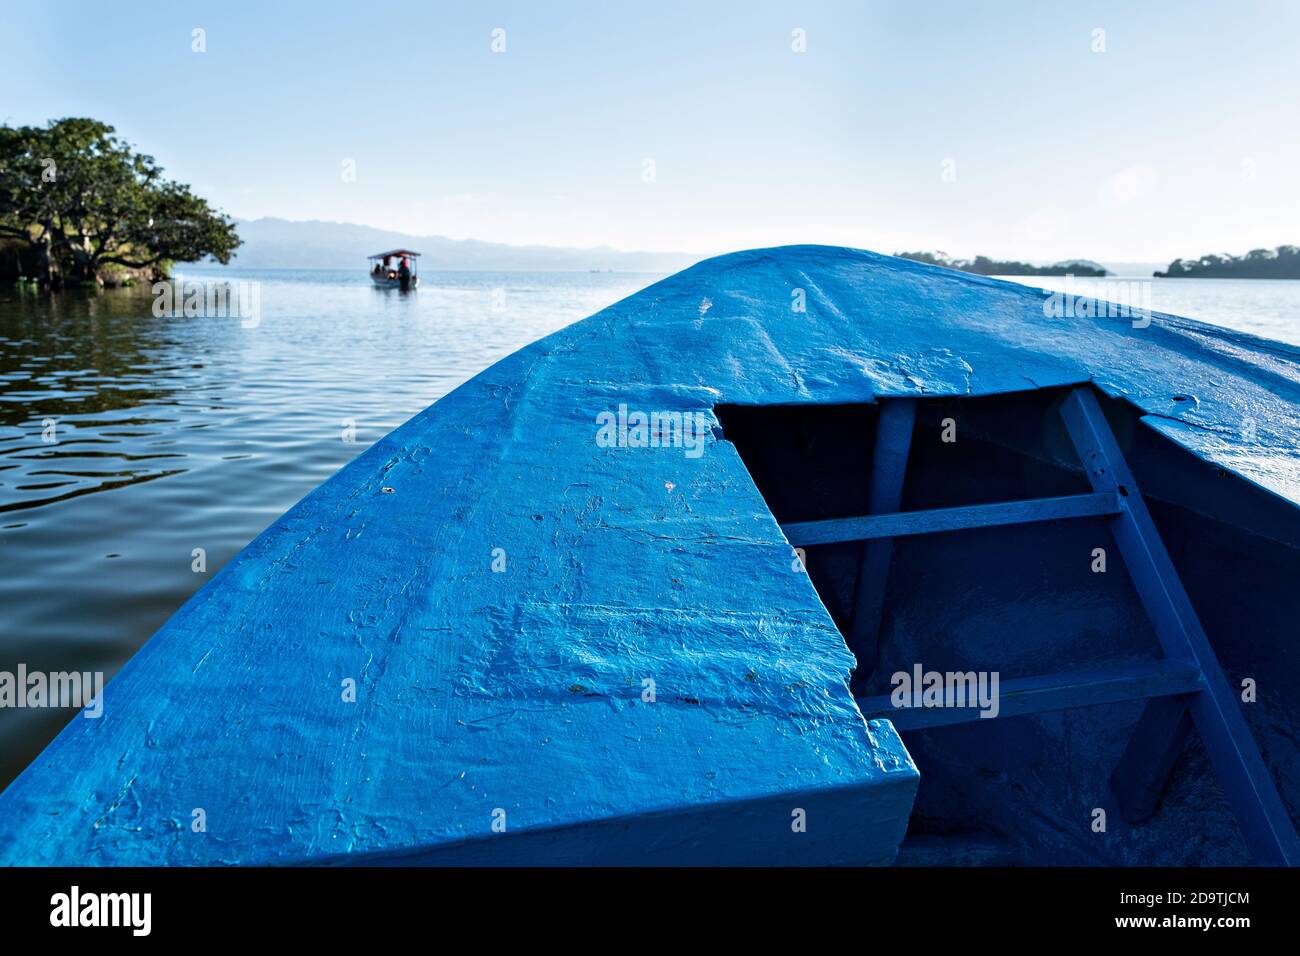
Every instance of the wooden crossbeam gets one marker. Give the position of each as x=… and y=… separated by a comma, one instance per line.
x=1037, y=695
x=1143, y=770
x=1241, y=770
x=890, y=451
x=1189, y=682
x=936, y=520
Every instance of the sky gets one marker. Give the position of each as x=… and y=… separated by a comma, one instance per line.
x=1010, y=129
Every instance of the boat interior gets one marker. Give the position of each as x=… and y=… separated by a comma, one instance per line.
x=1117, y=740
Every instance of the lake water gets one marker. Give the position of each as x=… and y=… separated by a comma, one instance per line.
x=180, y=433
x=1264, y=307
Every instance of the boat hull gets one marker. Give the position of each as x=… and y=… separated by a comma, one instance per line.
x=384, y=282
x=526, y=628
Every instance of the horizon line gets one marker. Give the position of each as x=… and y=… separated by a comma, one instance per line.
x=609, y=247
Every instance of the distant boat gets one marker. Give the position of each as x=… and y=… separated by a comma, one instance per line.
x=386, y=271
x=1042, y=608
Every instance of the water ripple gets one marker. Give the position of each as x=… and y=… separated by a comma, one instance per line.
x=171, y=435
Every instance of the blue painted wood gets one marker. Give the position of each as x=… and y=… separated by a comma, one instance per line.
x=893, y=442
x=1246, y=780
x=521, y=690
x=1142, y=772
x=1035, y=695
x=938, y=520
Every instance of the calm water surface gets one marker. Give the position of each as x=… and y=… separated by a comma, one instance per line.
x=1266, y=307
x=176, y=434
x=183, y=433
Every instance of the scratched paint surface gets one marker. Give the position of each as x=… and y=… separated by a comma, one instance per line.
x=522, y=690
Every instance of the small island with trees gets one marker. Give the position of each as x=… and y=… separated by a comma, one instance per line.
x=1280, y=263
x=78, y=206
x=984, y=266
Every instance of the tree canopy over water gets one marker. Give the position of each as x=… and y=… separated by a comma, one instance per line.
x=1280, y=263
x=984, y=266
x=77, y=203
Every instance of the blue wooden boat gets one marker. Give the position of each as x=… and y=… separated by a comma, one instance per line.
x=560, y=617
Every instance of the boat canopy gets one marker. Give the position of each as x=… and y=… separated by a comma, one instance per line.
x=394, y=252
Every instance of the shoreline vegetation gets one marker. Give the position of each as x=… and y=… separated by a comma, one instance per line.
x=78, y=206
x=1280, y=263
x=984, y=266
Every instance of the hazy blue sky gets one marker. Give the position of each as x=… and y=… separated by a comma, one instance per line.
x=1181, y=138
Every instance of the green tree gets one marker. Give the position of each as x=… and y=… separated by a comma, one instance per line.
x=28, y=209
x=82, y=199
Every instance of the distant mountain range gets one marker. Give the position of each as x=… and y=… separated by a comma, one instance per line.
x=285, y=244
